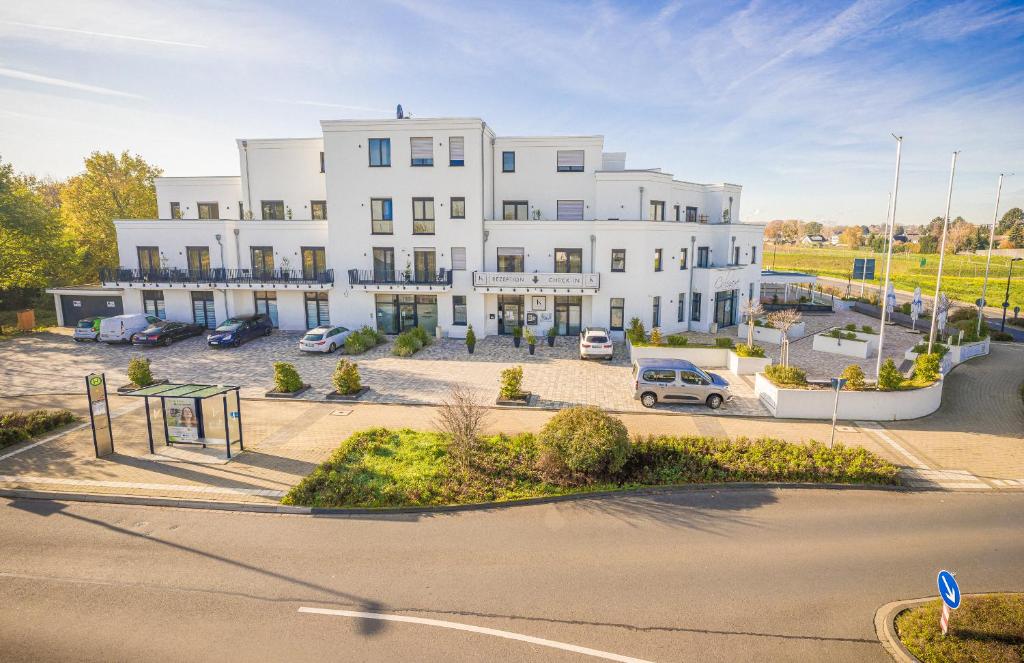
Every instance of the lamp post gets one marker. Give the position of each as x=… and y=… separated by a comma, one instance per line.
x=988, y=261
x=942, y=254
x=890, y=224
x=1006, y=299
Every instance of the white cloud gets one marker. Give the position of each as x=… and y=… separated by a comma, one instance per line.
x=66, y=84
x=104, y=35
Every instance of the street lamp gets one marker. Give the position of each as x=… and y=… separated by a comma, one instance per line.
x=1006, y=299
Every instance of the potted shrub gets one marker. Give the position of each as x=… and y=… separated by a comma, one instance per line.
x=656, y=336
x=511, y=391
x=139, y=376
x=470, y=339
x=517, y=335
x=287, y=383
x=531, y=340
x=551, y=337
x=347, y=383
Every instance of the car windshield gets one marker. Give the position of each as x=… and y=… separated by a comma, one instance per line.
x=85, y=324
x=152, y=329
x=312, y=337
x=229, y=326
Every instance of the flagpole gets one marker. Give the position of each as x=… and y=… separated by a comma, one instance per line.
x=988, y=261
x=890, y=225
x=942, y=254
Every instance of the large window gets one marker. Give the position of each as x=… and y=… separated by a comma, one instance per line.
x=422, y=150
x=656, y=313
x=424, y=265
x=318, y=210
x=459, y=310
x=691, y=215
x=149, y=258
x=515, y=210
x=198, y=258
x=273, y=210
x=422, y=216
x=657, y=260
x=458, y=258
x=265, y=302
x=703, y=256
x=262, y=259
x=208, y=210
x=380, y=152
x=458, y=208
x=508, y=162
x=380, y=215
x=397, y=313
x=175, y=210
x=317, y=311
x=683, y=255
x=618, y=260
x=568, y=261
x=203, y=313
x=656, y=211
x=456, y=151
x=695, y=307
x=383, y=264
x=570, y=161
x=153, y=303
x=510, y=259
x=570, y=210
x=314, y=262
x=617, y=314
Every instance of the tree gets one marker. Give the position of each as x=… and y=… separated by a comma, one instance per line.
x=783, y=320
x=773, y=230
x=752, y=309
x=813, y=228
x=851, y=237
x=1015, y=238
x=1012, y=216
x=961, y=236
x=112, y=187
x=928, y=244
x=31, y=248
x=791, y=230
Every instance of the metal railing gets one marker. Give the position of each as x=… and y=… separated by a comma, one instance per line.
x=217, y=275
x=390, y=277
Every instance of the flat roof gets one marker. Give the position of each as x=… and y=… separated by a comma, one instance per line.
x=772, y=276
x=182, y=390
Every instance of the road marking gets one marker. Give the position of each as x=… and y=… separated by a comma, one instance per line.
x=475, y=629
x=115, y=415
x=877, y=429
x=262, y=492
x=951, y=479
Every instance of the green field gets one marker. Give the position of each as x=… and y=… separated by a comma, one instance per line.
x=962, y=275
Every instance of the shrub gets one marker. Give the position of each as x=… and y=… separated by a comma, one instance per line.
x=530, y=337
x=889, y=377
x=517, y=332
x=421, y=335
x=962, y=314
x=636, y=332
x=867, y=329
x=724, y=342
x=354, y=344
x=744, y=350
x=286, y=378
x=927, y=367
x=19, y=425
x=552, y=332
x=786, y=375
x=410, y=342
x=139, y=373
x=462, y=419
x=512, y=383
x=854, y=376
x=346, y=377
x=758, y=322
x=937, y=348
x=677, y=340
x=905, y=308
x=580, y=445
x=470, y=336
x=363, y=339
x=656, y=338
x=1001, y=336
x=851, y=327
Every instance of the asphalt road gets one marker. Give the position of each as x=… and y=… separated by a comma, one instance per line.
x=705, y=575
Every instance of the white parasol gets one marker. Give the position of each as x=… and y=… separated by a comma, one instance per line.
x=943, y=311
x=890, y=298
x=916, y=307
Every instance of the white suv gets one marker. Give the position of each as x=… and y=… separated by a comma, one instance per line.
x=595, y=342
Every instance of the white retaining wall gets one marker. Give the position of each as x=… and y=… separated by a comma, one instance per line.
x=863, y=405
x=770, y=334
x=847, y=347
x=703, y=357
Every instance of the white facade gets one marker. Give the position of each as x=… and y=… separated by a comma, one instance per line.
x=526, y=231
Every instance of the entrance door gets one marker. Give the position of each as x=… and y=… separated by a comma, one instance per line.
x=568, y=315
x=406, y=312
x=202, y=309
x=510, y=313
x=725, y=305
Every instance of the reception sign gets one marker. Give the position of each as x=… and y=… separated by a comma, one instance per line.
x=535, y=280
x=182, y=416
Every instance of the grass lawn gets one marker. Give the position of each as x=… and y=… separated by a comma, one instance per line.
x=984, y=628
x=386, y=468
x=962, y=275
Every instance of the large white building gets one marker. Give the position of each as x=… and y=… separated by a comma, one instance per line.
x=440, y=223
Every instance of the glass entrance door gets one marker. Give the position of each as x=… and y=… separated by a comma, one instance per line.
x=568, y=315
x=510, y=313
x=725, y=308
x=202, y=309
x=406, y=313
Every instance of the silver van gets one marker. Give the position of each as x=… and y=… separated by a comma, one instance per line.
x=677, y=381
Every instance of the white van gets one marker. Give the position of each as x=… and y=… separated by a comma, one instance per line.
x=119, y=329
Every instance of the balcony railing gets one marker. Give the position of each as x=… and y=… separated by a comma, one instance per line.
x=219, y=275
x=388, y=277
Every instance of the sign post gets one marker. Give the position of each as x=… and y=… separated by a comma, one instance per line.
x=863, y=269
x=837, y=384
x=949, y=591
x=99, y=414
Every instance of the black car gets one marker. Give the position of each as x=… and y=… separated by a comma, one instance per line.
x=235, y=331
x=165, y=333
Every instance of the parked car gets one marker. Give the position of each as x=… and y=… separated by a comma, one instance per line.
x=165, y=333
x=677, y=381
x=235, y=331
x=596, y=342
x=88, y=329
x=324, y=338
x=121, y=328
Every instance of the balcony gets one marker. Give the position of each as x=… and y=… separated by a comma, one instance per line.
x=539, y=283
x=220, y=277
x=384, y=280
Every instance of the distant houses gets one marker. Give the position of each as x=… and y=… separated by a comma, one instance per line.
x=814, y=240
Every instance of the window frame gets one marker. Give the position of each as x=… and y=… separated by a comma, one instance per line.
x=611, y=313
x=455, y=311
x=695, y=306
x=149, y=251
x=659, y=263
x=208, y=206
x=321, y=204
x=574, y=168
x=656, y=311
x=176, y=210
x=451, y=207
x=623, y=256
x=423, y=220
x=558, y=210
x=753, y=255
x=570, y=253
x=676, y=212
x=703, y=257
x=322, y=164
x=382, y=157
x=263, y=210
x=465, y=258
x=263, y=252
x=684, y=258
x=691, y=214
x=423, y=160
x=388, y=218
x=504, y=164
x=681, y=308
x=456, y=163
x=516, y=204
x=656, y=210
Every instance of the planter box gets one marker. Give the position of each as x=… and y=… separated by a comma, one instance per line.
x=747, y=365
x=126, y=388
x=292, y=394
x=525, y=400
x=703, y=357
x=770, y=334
x=961, y=353
x=785, y=403
x=843, y=305
x=836, y=346
x=335, y=396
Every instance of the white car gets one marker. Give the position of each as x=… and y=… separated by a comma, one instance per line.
x=121, y=328
x=596, y=342
x=324, y=339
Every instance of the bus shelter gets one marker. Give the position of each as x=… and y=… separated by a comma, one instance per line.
x=191, y=414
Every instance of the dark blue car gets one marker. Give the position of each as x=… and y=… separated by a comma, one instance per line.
x=235, y=331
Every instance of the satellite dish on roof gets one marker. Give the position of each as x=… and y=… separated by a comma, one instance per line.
x=399, y=113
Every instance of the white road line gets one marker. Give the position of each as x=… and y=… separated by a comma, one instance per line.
x=114, y=415
x=880, y=432
x=20, y=479
x=475, y=629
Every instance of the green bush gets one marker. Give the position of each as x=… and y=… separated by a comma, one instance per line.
x=636, y=333
x=511, y=383
x=937, y=348
x=580, y=445
x=421, y=335
x=744, y=350
x=962, y=314
x=286, y=378
x=470, y=336
x=851, y=327
x=656, y=338
x=139, y=373
x=867, y=329
x=1002, y=336
x=889, y=377
x=905, y=308
x=346, y=377
x=363, y=339
x=21, y=425
x=854, y=376
x=410, y=342
x=677, y=340
x=786, y=376
x=530, y=337
x=724, y=342
x=552, y=332
x=517, y=332
x=927, y=367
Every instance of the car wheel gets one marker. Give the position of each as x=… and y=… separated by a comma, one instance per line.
x=332, y=348
x=237, y=342
x=714, y=401
x=77, y=340
x=267, y=332
x=167, y=341
x=648, y=399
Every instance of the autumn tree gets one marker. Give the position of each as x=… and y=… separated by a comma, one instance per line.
x=851, y=237
x=32, y=251
x=1012, y=216
x=961, y=236
x=812, y=228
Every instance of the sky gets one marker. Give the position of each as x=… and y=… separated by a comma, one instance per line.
x=796, y=101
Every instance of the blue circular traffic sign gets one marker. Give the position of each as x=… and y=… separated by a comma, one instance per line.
x=948, y=589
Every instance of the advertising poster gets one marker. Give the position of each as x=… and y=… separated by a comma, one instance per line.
x=182, y=419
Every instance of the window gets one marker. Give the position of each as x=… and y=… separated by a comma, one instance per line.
x=617, y=314
x=322, y=169
x=317, y=311
x=265, y=303
x=149, y=258
x=570, y=161
x=318, y=210
x=510, y=259
x=691, y=215
x=618, y=260
x=695, y=307
x=656, y=313
x=383, y=264
x=570, y=210
x=175, y=210
x=458, y=258
x=665, y=375
x=683, y=255
x=424, y=262
x=515, y=210
x=380, y=216
x=458, y=208
x=657, y=260
x=689, y=377
x=203, y=312
x=750, y=291
x=681, y=308
x=314, y=263
x=736, y=255
x=262, y=259
x=241, y=211
x=272, y=209
x=508, y=162
x=568, y=261
x=380, y=152
x=753, y=255
x=456, y=151
x=422, y=216
x=198, y=258
x=675, y=212
x=703, y=256
x=656, y=211
x=153, y=303
x=459, y=310
x=208, y=210
x=422, y=150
